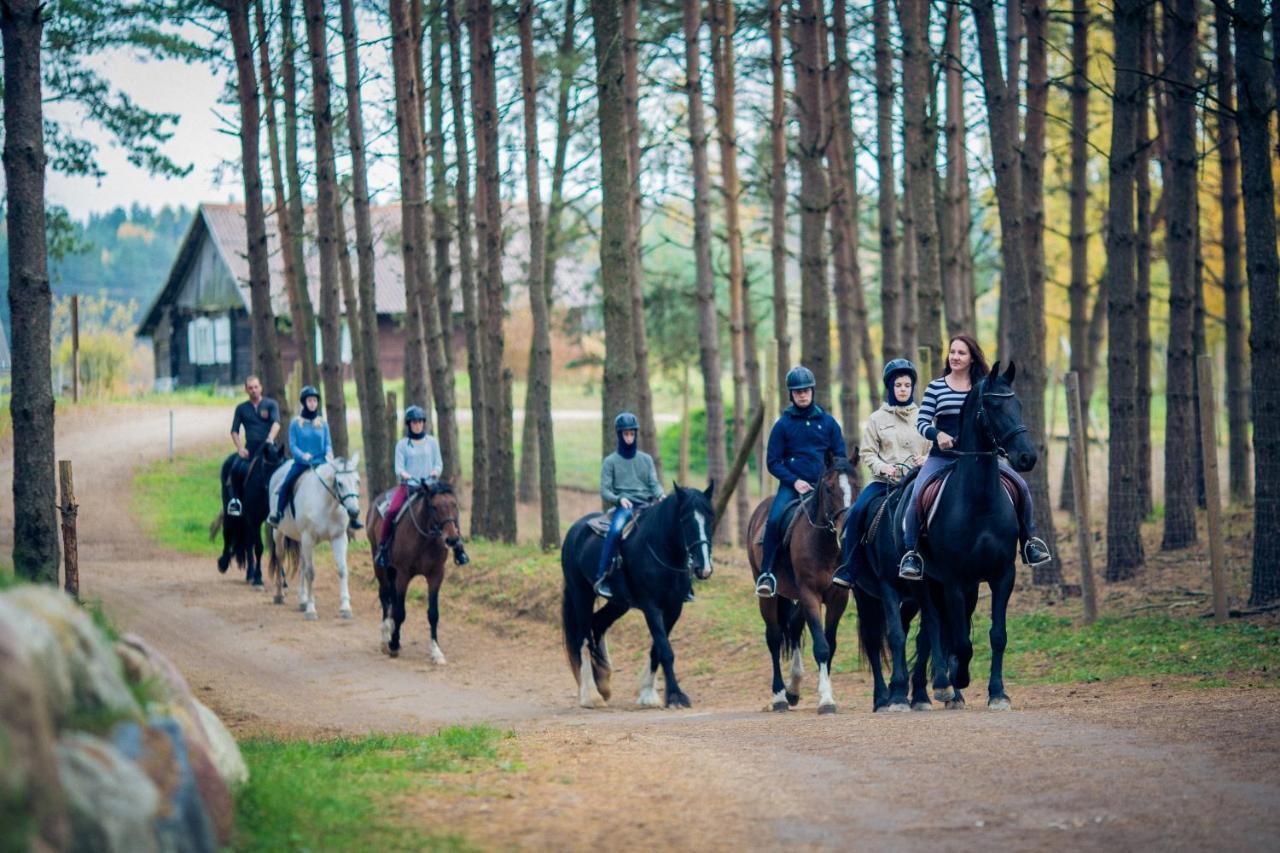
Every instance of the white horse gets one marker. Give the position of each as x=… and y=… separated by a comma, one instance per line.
x=326, y=500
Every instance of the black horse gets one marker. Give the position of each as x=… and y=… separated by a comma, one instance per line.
x=670, y=545
x=887, y=605
x=249, y=479
x=973, y=535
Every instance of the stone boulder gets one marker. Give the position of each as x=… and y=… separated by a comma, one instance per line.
x=38, y=647
x=113, y=805
x=223, y=748
x=162, y=752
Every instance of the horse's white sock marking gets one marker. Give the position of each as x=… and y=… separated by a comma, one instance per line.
x=388, y=626
x=780, y=698
x=797, y=670
x=437, y=656
x=824, y=687
x=588, y=695
x=702, y=535
x=847, y=490
x=648, y=693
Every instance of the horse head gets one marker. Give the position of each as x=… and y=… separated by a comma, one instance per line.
x=836, y=488
x=444, y=512
x=272, y=455
x=346, y=483
x=1000, y=417
x=696, y=519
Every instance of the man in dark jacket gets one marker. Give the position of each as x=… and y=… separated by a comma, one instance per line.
x=259, y=417
x=798, y=446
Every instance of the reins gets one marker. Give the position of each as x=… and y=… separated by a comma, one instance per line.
x=333, y=490
x=437, y=529
x=688, y=554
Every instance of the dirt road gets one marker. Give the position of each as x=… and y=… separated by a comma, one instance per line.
x=1115, y=766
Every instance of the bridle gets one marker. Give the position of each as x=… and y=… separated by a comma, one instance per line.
x=439, y=523
x=831, y=523
x=984, y=421
x=688, y=552
x=333, y=490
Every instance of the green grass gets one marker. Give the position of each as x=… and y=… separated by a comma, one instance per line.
x=349, y=793
x=176, y=501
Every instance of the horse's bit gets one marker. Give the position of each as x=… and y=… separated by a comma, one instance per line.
x=985, y=423
x=688, y=553
x=333, y=490
x=437, y=529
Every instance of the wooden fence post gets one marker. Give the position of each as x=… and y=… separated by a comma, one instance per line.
x=70, y=548
x=1080, y=495
x=75, y=348
x=1212, y=492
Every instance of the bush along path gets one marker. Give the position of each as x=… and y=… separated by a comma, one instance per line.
x=749, y=775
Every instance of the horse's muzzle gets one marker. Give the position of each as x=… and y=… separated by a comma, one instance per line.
x=702, y=572
x=453, y=541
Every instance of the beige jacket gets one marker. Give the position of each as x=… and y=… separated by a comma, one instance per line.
x=890, y=436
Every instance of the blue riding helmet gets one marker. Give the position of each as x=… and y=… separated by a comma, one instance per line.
x=624, y=421
x=414, y=413
x=899, y=365
x=308, y=391
x=799, y=378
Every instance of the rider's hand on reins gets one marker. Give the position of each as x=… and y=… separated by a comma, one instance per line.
x=945, y=441
x=803, y=488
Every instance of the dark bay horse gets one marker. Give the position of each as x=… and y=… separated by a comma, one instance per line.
x=670, y=545
x=242, y=534
x=424, y=535
x=973, y=535
x=887, y=604
x=806, y=567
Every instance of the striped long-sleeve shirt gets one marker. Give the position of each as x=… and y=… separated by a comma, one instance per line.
x=940, y=410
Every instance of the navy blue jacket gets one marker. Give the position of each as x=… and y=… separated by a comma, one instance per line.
x=798, y=445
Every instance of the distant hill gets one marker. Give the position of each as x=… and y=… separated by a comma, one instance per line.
x=124, y=253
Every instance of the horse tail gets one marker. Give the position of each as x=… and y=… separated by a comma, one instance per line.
x=575, y=628
x=285, y=564
x=216, y=525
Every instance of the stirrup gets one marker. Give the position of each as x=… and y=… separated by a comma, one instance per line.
x=911, y=567
x=601, y=588
x=356, y=524
x=1042, y=545
x=766, y=585
x=234, y=508
x=273, y=520
x=843, y=577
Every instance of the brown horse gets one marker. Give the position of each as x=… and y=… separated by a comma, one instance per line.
x=424, y=535
x=812, y=556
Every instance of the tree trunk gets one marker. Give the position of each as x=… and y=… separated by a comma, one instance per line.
x=35, y=525
x=335, y=404
x=293, y=284
x=648, y=439
x=540, y=369
x=363, y=326
x=304, y=317
x=350, y=301
x=815, y=303
x=919, y=130
x=1142, y=266
x=1237, y=390
x=708, y=322
x=723, y=23
x=1180, y=246
x=891, y=346
x=778, y=196
x=957, y=261
x=1124, y=510
x=442, y=233
x=1262, y=272
x=910, y=269
x=1078, y=235
x=501, y=501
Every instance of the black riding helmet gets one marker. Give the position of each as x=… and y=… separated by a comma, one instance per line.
x=799, y=378
x=892, y=371
x=308, y=391
x=625, y=421
x=413, y=413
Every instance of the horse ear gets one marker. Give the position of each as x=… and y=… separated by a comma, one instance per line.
x=1011, y=372
x=355, y=459
x=995, y=369
x=675, y=487
x=710, y=490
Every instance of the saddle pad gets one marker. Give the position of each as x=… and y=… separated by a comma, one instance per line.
x=599, y=525
x=932, y=492
x=384, y=503
x=788, y=522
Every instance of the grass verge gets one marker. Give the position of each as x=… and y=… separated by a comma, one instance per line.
x=348, y=793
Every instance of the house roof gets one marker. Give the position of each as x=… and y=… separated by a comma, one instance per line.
x=224, y=225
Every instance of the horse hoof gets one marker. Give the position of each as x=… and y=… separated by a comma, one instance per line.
x=823, y=710
x=678, y=700
x=257, y=583
x=649, y=698
x=393, y=651
x=955, y=705
x=302, y=608
x=999, y=703
x=922, y=706
x=944, y=694
x=594, y=702
x=782, y=707
x=345, y=613
x=897, y=708
x=279, y=599
x=311, y=616
x=793, y=699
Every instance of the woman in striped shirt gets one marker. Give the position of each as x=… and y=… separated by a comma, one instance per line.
x=939, y=421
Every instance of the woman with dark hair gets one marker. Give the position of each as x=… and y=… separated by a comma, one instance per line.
x=939, y=421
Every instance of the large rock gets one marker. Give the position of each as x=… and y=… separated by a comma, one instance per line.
x=32, y=805
x=223, y=748
x=161, y=751
x=38, y=646
x=113, y=804
x=148, y=668
x=97, y=680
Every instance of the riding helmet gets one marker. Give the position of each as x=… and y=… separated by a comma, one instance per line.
x=308, y=391
x=899, y=365
x=626, y=420
x=414, y=413
x=799, y=378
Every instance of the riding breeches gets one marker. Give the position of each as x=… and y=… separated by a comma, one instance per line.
x=772, y=535
x=617, y=523
x=398, y=497
x=932, y=465
x=286, y=488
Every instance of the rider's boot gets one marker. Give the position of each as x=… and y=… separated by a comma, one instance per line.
x=1035, y=552
x=274, y=519
x=601, y=584
x=356, y=524
x=460, y=555
x=912, y=566
x=383, y=558
x=847, y=571
x=689, y=597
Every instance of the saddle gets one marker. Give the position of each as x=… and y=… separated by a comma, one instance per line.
x=786, y=524
x=928, y=497
x=599, y=524
x=384, y=503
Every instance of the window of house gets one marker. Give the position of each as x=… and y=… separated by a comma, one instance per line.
x=222, y=340
x=200, y=349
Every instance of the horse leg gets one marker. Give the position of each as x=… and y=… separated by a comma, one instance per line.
x=306, y=589
x=386, y=596
x=339, y=546
x=1001, y=589
x=794, y=627
x=920, y=673
x=837, y=600
x=897, y=636
x=871, y=636
x=397, y=611
x=961, y=647
x=257, y=555
x=601, y=666
x=653, y=617
x=773, y=636
x=277, y=568
x=433, y=618
x=812, y=609
x=932, y=615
